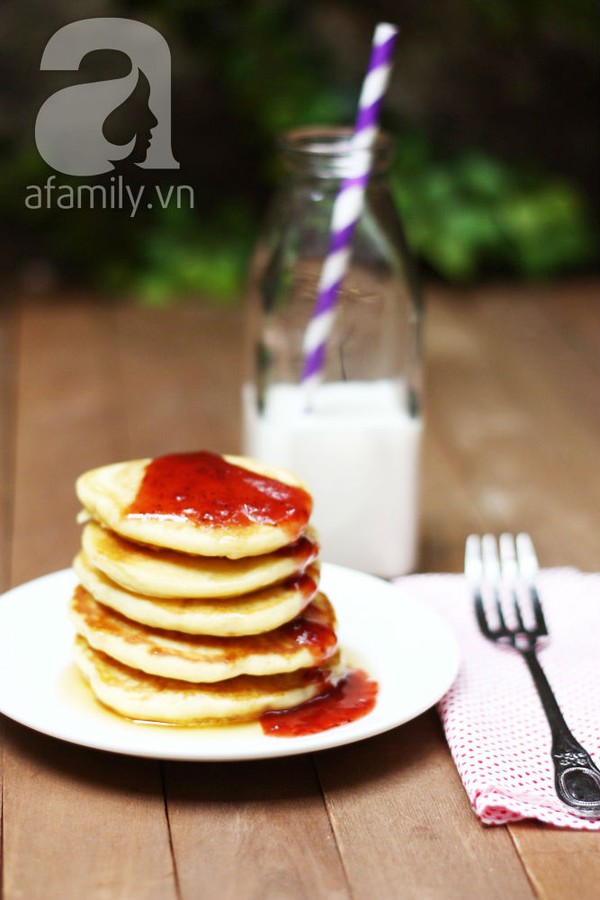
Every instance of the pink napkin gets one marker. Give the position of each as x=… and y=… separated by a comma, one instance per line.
x=492, y=717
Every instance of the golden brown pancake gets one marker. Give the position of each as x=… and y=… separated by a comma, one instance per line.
x=166, y=573
x=309, y=640
x=207, y=515
x=151, y=698
x=198, y=599
x=252, y=613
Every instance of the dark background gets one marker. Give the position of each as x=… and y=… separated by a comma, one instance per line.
x=493, y=104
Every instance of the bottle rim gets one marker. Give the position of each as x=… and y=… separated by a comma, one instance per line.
x=328, y=150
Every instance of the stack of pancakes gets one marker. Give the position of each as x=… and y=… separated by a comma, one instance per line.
x=198, y=597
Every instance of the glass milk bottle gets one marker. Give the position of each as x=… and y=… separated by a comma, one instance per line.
x=354, y=438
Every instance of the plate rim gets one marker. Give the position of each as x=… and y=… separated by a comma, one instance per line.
x=265, y=746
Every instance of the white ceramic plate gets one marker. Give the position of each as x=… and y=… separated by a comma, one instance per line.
x=401, y=643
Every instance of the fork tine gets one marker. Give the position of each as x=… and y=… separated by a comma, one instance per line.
x=540, y=621
x=491, y=572
x=481, y=616
x=528, y=568
x=508, y=557
x=528, y=564
x=489, y=556
x=474, y=575
x=508, y=564
x=473, y=559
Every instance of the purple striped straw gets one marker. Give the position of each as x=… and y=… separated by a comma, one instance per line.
x=348, y=204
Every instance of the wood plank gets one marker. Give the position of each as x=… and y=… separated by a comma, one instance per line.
x=81, y=823
x=76, y=823
x=574, y=309
x=514, y=422
x=562, y=865
x=504, y=369
x=450, y=507
x=7, y=408
x=504, y=417
x=262, y=825
x=182, y=371
x=557, y=453
x=404, y=825
x=66, y=424
x=256, y=829
x=448, y=512
x=7, y=426
x=553, y=353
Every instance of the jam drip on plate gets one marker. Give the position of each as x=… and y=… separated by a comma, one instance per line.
x=205, y=489
x=345, y=701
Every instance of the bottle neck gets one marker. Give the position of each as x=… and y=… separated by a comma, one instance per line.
x=328, y=153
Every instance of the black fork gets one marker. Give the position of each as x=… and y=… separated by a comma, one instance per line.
x=509, y=578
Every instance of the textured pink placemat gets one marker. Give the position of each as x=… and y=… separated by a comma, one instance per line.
x=493, y=720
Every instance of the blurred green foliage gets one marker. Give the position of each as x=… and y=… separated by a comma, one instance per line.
x=178, y=258
x=466, y=213
x=509, y=17
x=472, y=215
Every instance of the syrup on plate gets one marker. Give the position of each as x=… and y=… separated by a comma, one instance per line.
x=349, y=699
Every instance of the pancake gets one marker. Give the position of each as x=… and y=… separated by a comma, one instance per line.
x=308, y=640
x=149, y=698
x=199, y=503
x=167, y=573
x=252, y=613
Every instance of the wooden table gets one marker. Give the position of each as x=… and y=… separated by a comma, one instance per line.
x=511, y=443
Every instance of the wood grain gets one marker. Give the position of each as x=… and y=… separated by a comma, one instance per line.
x=509, y=422
x=67, y=422
x=76, y=823
x=511, y=442
x=7, y=408
x=7, y=414
x=562, y=865
x=80, y=823
x=180, y=379
x=241, y=830
x=256, y=829
x=397, y=807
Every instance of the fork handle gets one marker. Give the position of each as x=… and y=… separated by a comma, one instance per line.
x=576, y=778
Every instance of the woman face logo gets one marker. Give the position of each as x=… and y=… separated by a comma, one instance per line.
x=72, y=125
x=133, y=121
